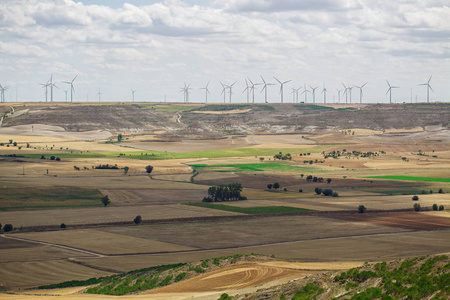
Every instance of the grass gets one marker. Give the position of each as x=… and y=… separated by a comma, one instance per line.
x=253, y=210
x=257, y=167
x=226, y=107
x=411, y=178
x=48, y=197
x=153, y=155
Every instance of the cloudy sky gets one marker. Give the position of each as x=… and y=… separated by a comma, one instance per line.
x=154, y=47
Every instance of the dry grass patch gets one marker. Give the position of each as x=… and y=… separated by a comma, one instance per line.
x=102, y=242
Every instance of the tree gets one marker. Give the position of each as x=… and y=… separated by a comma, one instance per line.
x=441, y=191
x=362, y=209
x=8, y=228
x=329, y=180
x=62, y=226
x=416, y=206
x=309, y=177
x=137, y=220
x=441, y=207
x=318, y=190
x=435, y=207
x=415, y=198
x=327, y=192
x=276, y=185
x=269, y=186
x=335, y=194
x=125, y=169
x=148, y=169
x=119, y=137
x=300, y=190
x=105, y=200
x=301, y=175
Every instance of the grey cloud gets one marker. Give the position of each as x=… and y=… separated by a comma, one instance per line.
x=268, y=6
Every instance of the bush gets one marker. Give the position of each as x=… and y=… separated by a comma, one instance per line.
x=62, y=226
x=327, y=192
x=269, y=186
x=318, y=190
x=329, y=180
x=362, y=209
x=441, y=191
x=335, y=194
x=105, y=200
x=224, y=296
x=276, y=185
x=52, y=157
x=435, y=207
x=148, y=169
x=441, y=207
x=285, y=189
x=417, y=207
x=8, y=227
x=137, y=220
x=300, y=190
x=415, y=198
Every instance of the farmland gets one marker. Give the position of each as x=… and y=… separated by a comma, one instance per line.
x=55, y=172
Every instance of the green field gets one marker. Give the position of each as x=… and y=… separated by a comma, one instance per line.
x=258, y=167
x=153, y=155
x=411, y=178
x=253, y=210
x=48, y=197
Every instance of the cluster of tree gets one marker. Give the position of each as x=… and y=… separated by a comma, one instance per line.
x=107, y=167
x=51, y=157
x=356, y=153
x=326, y=192
x=275, y=186
x=222, y=192
x=6, y=228
x=316, y=179
x=348, y=132
x=280, y=156
x=313, y=161
x=436, y=208
x=105, y=200
x=304, y=154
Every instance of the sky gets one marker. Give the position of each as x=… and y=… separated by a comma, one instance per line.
x=156, y=47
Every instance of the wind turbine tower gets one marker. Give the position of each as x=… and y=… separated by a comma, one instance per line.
x=390, y=90
x=281, y=87
x=265, y=88
x=360, y=92
x=206, y=92
x=428, y=88
x=132, y=94
x=72, y=89
x=45, y=85
x=52, y=85
x=248, y=91
x=324, y=92
x=224, y=92
x=314, y=93
x=305, y=91
x=339, y=95
x=231, y=89
x=99, y=95
x=65, y=92
x=3, y=89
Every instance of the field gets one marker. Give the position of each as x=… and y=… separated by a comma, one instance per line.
x=50, y=176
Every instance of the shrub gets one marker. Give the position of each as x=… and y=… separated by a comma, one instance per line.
x=318, y=190
x=435, y=207
x=8, y=227
x=285, y=189
x=416, y=206
x=52, y=157
x=300, y=190
x=441, y=207
x=276, y=185
x=362, y=209
x=225, y=296
x=148, y=169
x=441, y=191
x=415, y=198
x=329, y=180
x=327, y=192
x=62, y=226
x=42, y=157
x=137, y=220
x=309, y=177
x=105, y=200
x=207, y=199
x=58, y=159
x=269, y=186
x=335, y=194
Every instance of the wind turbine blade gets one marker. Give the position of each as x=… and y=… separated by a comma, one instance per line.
x=277, y=80
x=344, y=86
x=74, y=78
x=388, y=83
x=431, y=88
x=430, y=79
x=388, y=91
x=364, y=84
x=287, y=81
x=263, y=79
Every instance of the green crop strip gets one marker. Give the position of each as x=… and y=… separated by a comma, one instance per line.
x=253, y=210
x=258, y=167
x=411, y=178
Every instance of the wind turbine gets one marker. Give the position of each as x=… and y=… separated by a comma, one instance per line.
x=324, y=92
x=206, y=92
x=46, y=85
x=52, y=85
x=314, y=93
x=360, y=91
x=265, y=88
x=99, y=94
x=252, y=88
x=224, y=91
x=248, y=91
x=3, y=89
x=339, y=95
x=72, y=89
x=428, y=88
x=305, y=91
x=390, y=91
x=281, y=87
x=65, y=92
x=231, y=89
x=132, y=94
